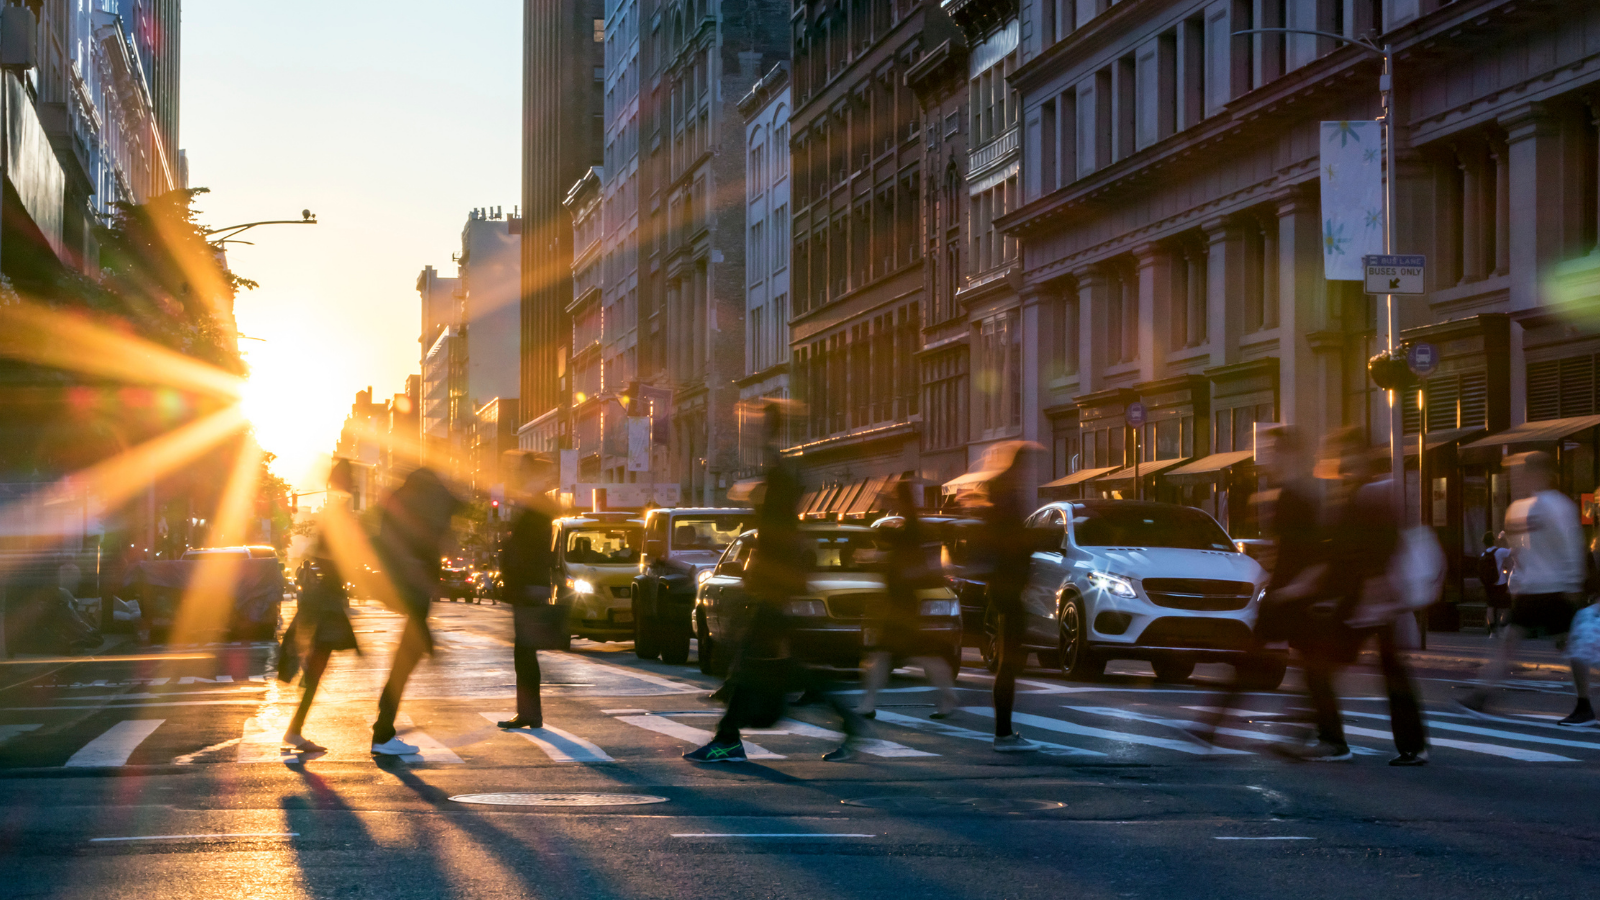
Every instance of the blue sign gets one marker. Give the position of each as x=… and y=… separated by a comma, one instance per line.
x=1422, y=359
x=1136, y=414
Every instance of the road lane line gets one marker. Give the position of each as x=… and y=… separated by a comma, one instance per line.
x=560, y=746
x=1281, y=837
x=1473, y=747
x=945, y=729
x=431, y=750
x=7, y=732
x=768, y=835
x=114, y=746
x=191, y=837
x=1121, y=737
x=1510, y=720
x=872, y=746
x=1185, y=724
x=1491, y=732
x=691, y=735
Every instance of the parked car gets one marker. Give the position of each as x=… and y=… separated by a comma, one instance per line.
x=1129, y=579
x=844, y=582
x=455, y=583
x=597, y=556
x=679, y=546
x=248, y=609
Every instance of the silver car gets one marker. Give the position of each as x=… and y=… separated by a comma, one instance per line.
x=1126, y=579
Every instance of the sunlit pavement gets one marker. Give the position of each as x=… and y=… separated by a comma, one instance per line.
x=162, y=776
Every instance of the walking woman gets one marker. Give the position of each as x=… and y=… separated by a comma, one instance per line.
x=526, y=560
x=1007, y=559
x=321, y=622
x=895, y=630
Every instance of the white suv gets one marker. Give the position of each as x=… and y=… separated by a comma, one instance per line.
x=1126, y=579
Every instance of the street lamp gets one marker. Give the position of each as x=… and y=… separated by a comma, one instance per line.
x=307, y=217
x=1386, y=93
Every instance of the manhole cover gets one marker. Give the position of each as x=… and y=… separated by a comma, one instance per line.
x=558, y=799
x=955, y=805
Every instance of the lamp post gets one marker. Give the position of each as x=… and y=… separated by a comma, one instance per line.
x=1392, y=318
x=307, y=217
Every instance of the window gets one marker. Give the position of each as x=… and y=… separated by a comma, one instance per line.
x=780, y=238
x=999, y=376
x=599, y=31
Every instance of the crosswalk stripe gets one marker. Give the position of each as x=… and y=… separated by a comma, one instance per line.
x=871, y=746
x=1472, y=747
x=114, y=746
x=1491, y=732
x=691, y=735
x=559, y=745
x=1184, y=723
x=1511, y=720
x=1122, y=737
x=7, y=732
x=956, y=731
x=431, y=750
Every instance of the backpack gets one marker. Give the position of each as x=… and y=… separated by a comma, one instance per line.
x=1489, y=567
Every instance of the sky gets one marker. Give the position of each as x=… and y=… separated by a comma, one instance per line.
x=389, y=121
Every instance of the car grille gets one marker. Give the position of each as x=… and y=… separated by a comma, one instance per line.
x=623, y=592
x=851, y=606
x=1201, y=634
x=1199, y=593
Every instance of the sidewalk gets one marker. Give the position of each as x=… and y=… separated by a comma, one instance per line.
x=1465, y=652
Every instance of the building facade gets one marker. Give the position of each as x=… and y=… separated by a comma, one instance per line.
x=490, y=281
x=767, y=218
x=589, y=397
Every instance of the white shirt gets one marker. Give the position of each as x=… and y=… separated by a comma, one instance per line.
x=1546, y=545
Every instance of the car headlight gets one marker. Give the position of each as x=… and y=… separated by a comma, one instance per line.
x=805, y=608
x=582, y=586
x=1115, y=585
x=940, y=608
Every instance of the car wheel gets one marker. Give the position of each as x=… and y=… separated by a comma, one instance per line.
x=1074, y=656
x=989, y=649
x=644, y=635
x=1262, y=675
x=704, y=640
x=675, y=647
x=1173, y=669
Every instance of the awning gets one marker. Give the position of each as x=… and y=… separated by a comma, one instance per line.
x=1207, y=468
x=846, y=498
x=1547, y=431
x=870, y=498
x=1144, y=470
x=808, y=500
x=1436, y=439
x=963, y=482
x=819, y=504
x=1078, y=477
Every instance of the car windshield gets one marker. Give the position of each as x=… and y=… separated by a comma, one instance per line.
x=604, y=546
x=1141, y=525
x=708, y=532
x=846, y=552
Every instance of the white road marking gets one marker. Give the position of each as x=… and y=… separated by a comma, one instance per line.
x=872, y=746
x=1473, y=747
x=134, y=705
x=947, y=730
x=560, y=746
x=191, y=837
x=1512, y=720
x=1182, y=723
x=1491, y=732
x=262, y=740
x=7, y=732
x=691, y=735
x=431, y=750
x=114, y=746
x=769, y=835
x=1283, y=837
x=1121, y=737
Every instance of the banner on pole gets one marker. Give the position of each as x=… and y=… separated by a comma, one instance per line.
x=1352, y=197
x=638, y=443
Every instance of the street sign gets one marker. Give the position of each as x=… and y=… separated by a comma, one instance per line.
x=1422, y=359
x=1395, y=274
x=1136, y=414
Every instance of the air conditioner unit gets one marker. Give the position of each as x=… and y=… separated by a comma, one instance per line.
x=19, y=32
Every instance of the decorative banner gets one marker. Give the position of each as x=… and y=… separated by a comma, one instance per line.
x=1352, y=197
x=638, y=443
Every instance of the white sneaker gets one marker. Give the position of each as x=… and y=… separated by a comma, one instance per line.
x=394, y=747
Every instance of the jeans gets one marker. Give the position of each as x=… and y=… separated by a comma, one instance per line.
x=525, y=660
x=1008, y=644
x=413, y=646
x=1405, y=711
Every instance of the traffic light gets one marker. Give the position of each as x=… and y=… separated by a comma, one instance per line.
x=1389, y=370
x=494, y=510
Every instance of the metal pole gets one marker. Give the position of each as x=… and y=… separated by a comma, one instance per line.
x=1397, y=470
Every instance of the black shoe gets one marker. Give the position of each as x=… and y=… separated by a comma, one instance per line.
x=1582, y=717
x=1420, y=758
x=520, y=722
x=718, y=751
x=869, y=714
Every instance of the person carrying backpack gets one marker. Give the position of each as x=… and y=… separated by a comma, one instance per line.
x=1493, y=574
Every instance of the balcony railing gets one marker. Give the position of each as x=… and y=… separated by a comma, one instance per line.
x=992, y=154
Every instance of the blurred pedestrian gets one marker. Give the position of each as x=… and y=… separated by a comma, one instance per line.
x=1289, y=510
x=1494, y=566
x=1354, y=603
x=893, y=632
x=1006, y=557
x=321, y=623
x=527, y=560
x=1547, y=578
x=411, y=530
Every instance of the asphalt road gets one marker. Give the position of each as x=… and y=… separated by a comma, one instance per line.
x=159, y=775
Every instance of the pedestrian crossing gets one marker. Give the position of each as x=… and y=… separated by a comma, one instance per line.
x=588, y=736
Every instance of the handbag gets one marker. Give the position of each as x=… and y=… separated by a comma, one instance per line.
x=540, y=622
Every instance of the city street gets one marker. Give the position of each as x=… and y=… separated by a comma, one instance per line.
x=160, y=775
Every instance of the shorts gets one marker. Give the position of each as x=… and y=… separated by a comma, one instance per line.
x=1547, y=613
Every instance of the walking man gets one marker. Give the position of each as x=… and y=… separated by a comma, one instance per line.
x=1547, y=574
x=1007, y=559
x=526, y=561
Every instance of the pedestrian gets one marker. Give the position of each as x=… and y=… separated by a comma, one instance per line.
x=893, y=632
x=763, y=671
x=411, y=529
x=1547, y=578
x=1353, y=603
x=1494, y=574
x=526, y=561
x=1289, y=509
x=1006, y=558
x=321, y=623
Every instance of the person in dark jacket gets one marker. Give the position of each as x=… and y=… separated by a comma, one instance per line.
x=411, y=530
x=526, y=560
x=321, y=622
x=1006, y=559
